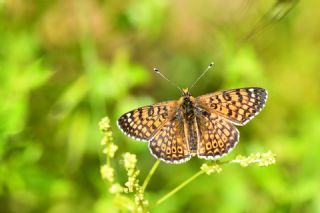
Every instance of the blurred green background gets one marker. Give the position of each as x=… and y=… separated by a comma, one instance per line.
x=66, y=64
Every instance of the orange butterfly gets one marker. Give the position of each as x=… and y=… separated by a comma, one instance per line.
x=202, y=126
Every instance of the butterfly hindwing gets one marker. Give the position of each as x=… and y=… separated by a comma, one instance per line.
x=169, y=143
x=237, y=105
x=217, y=136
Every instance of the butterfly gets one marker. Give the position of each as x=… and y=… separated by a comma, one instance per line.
x=201, y=126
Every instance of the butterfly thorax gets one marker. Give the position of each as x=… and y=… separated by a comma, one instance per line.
x=187, y=104
x=190, y=127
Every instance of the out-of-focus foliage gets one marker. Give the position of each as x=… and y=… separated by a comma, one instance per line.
x=66, y=64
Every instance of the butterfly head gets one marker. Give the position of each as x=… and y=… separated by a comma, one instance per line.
x=187, y=100
x=186, y=93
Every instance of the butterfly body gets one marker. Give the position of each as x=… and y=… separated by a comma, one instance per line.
x=187, y=104
x=202, y=126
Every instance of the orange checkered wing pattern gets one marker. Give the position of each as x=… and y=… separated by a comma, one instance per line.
x=143, y=123
x=238, y=106
x=169, y=144
x=162, y=126
x=217, y=136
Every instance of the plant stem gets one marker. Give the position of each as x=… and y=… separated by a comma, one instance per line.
x=183, y=184
x=146, y=181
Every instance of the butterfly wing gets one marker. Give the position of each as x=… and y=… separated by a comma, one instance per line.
x=217, y=136
x=143, y=123
x=237, y=105
x=162, y=125
x=170, y=144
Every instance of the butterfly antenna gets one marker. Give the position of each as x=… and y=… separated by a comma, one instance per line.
x=163, y=76
x=203, y=73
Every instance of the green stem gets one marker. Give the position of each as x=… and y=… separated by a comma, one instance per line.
x=153, y=169
x=183, y=184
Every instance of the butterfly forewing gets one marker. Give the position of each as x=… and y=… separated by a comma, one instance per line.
x=144, y=122
x=238, y=105
x=169, y=143
x=217, y=136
